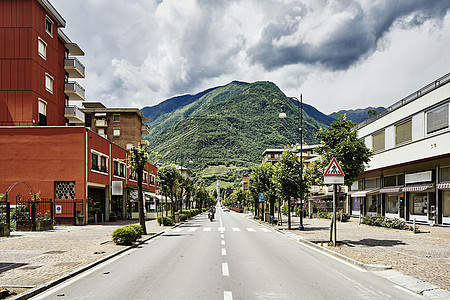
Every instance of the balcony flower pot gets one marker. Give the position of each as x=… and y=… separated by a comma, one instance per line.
x=24, y=225
x=79, y=221
x=42, y=225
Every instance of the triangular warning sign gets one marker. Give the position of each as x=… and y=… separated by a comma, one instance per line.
x=334, y=169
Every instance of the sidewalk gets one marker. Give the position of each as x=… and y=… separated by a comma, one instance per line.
x=425, y=255
x=30, y=259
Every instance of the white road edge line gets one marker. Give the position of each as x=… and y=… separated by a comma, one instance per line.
x=227, y=295
x=225, y=271
x=224, y=251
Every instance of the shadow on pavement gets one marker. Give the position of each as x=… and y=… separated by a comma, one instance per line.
x=375, y=243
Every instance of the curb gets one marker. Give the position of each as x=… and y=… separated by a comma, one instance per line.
x=41, y=288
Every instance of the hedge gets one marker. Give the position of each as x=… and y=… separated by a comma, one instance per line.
x=381, y=221
x=127, y=235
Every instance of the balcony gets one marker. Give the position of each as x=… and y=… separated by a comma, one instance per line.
x=74, y=68
x=104, y=136
x=145, y=129
x=74, y=91
x=74, y=114
x=101, y=123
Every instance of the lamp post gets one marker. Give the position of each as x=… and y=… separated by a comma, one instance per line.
x=282, y=115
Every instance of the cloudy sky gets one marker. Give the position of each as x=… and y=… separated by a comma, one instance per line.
x=339, y=54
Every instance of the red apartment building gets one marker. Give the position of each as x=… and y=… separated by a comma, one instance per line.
x=45, y=144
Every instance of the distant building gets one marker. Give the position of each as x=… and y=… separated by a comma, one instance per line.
x=408, y=176
x=275, y=155
x=123, y=126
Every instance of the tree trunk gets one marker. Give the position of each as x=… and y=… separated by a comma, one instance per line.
x=140, y=202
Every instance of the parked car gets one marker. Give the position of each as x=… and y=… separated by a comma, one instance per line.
x=226, y=209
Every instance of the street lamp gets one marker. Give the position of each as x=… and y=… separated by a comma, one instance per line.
x=283, y=115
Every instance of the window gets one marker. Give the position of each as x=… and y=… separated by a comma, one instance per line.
x=116, y=167
x=129, y=146
x=403, y=133
x=390, y=181
x=378, y=141
x=144, y=177
x=104, y=164
x=49, y=26
x=116, y=118
x=119, y=169
x=152, y=179
x=42, y=117
x=372, y=183
x=445, y=174
x=94, y=162
x=101, y=131
x=437, y=118
x=49, y=83
x=446, y=203
x=372, y=204
x=64, y=189
x=122, y=170
x=392, y=204
x=42, y=48
x=116, y=132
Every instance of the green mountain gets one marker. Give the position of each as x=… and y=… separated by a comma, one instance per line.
x=226, y=128
x=356, y=115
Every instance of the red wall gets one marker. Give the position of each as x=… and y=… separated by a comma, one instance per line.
x=23, y=71
x=40, y=156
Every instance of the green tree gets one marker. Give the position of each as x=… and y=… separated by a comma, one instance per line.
x=262, y=181
x=168, y=175
x=136, y=163
x=340, y=141
x=287, y=178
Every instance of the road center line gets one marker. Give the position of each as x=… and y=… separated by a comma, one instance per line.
x=221, y=224
x=227, y=295
x=222, y=236
x=224, y=251
x=222, y=242
x=225, y=271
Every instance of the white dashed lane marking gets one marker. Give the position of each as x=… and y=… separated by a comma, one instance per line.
x=225, y=271
x=227, y=295
x=236, y=229
x=193, y=229
x=207, y=229
x=251, y=229
x=224, y=251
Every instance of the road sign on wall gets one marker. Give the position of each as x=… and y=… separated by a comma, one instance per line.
x=333, y=173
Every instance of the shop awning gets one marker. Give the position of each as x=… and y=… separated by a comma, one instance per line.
x=443, y=186
x=390, y=190
x=364, y=193
x=416, y=188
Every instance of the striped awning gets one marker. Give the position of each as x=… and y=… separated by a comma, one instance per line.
x=416, y=188
x=390, y=190
x=443, y=186
x=364, y=193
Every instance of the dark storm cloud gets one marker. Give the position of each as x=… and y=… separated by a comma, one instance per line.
x=350, y=41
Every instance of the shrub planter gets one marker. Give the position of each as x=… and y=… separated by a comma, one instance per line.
x=24, y=225
x=42, y=225
x=4, y=229
x=79, y=221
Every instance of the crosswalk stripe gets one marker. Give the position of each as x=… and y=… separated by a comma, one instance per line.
x=207, y=229
x=193, y=229
x=251, y=229
x=177, y=229
x=236, y=229
x=265, y=229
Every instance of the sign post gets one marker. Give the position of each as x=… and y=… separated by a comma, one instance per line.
x=334, y=175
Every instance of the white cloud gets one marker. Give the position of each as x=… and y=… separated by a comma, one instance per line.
x=339, y=54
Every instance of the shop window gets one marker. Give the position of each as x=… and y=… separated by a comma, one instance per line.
x=445, y=174
x=378, y=142
x=64, y=189
x=392, y=204
x=116, y=118
x=49, y=83
x=403, y=133
x=418, y=203
x=49, y=26
x=437, y=119
x=446, y=204
x=372, y=203
x=42, y=48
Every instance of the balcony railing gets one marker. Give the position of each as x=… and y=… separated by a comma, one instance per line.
x=101, y=123
x=74, y=67
x=145, y=129
x=74, y=114
x=74, y=90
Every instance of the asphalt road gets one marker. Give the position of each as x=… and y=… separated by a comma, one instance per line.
x=229, y=258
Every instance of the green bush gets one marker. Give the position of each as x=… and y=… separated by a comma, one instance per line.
x=381, y=221
x=167, y=221
x=329, y=215
x=183, y=217
x=127, y=235
x=256, y=217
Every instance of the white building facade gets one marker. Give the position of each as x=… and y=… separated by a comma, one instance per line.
x=408, y=176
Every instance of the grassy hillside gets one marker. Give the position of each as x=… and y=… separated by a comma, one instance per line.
x=229, y=126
